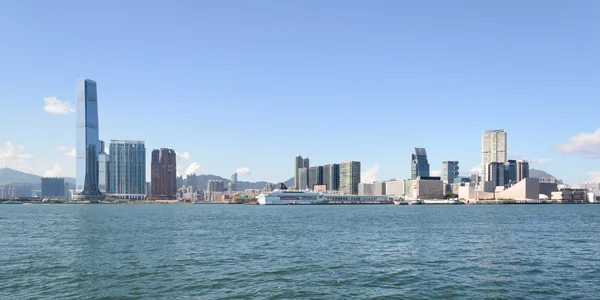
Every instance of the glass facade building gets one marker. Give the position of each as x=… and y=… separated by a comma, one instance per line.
x=331, y=177
x=87, y=139
x=349, y=177
x=127, y=169
x=103, y=160
x=419, y=165
x=315, y=176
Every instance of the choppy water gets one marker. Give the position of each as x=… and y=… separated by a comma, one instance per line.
x=320, y=252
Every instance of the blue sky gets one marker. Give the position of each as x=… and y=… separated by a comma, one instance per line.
x=253, y=83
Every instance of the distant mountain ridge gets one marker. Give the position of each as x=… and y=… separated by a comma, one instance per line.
x=533, y=173
x=241, y=185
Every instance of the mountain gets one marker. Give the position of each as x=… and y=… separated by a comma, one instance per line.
x=241, y=185
x=10, y=176
x=533, y=173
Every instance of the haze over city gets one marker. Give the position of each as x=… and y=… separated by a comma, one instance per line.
x=246, y=87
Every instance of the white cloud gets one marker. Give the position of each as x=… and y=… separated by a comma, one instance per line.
x=71, y=153
x=192, y=168
x=594, y=176
x=435, y=173
x=586, y=144
x=55, y=171
x=62, y=148
x=54, y=105
x=183, y=155
x=370, y=175
x=67, y=151
x=15, y=156
x=517, y=156
x=243, y=171
x=476, y=169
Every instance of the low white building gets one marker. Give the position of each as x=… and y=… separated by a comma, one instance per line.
x=371, y=189
x=395, y=188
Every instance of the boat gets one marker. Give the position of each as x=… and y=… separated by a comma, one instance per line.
x=442, y=201
x=415, y=202
x=283, y=196
x=12, y=202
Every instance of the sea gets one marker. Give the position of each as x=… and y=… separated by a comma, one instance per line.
x=299, y=252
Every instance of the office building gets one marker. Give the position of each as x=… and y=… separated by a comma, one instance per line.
x=163, y=174
x=179, y=181
x=331, y=177
x=53, y=188
x=127, y=168
x=449, y=171
x=349, y=177
x=192, y=180
x=510, y=172
x=427, y=188
x=315, y=176
x=233, y=182
x=395, y=188
x=299, y=162
x=103, y=169
x=302, y=179
x=522, y=170
x=495, y=173
x=87, y=140
x=419, y=164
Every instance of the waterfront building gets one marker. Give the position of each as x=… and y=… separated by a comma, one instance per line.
x=522, y=170
x=302, y=179
x=320, y=188
x=299, y=162
x=103, y=169
x=526, y=189
x=590, y=186
x=449, y=171
x=493, y=148
x=127, y=169
x=349, y=177
x=163, y=174
x=372, y=189
x=395, y=188
x=53, y=187
x=495, y=173
x=510, y=172
x=419, y=164
x=426, y=188
x=315, y=176
x=233, y=182
x=87, y=140
x=331, y=177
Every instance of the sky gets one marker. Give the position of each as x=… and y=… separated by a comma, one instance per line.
x=248, y=85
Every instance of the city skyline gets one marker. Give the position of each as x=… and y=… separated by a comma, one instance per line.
x=240, y=76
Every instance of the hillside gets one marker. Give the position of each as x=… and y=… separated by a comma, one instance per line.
x=11, y=176
x=539, y=174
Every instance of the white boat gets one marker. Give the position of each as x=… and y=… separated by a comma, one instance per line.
x=441, y=201
x=414, y=201
x=290, y=197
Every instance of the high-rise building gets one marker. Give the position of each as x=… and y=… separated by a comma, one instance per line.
x=215, y=186
x=103, y=169
x=298, y=164
x=419, y=165
x=306, y=162
x=163, y=174
x=53, y=187
x=331, y=177
x=522, y=170
x=179, y=181
x=127, y=169
x=349, y=177
x=449, y=171
x=87, y=140
x=302, y=179
x=495, y=173
x=233, y=182
x=493, y=147
x=510, y=172
x=192, y=180
x=315, y=176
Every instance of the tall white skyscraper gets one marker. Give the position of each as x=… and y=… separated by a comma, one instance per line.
x=493, y=147
x=87, y=140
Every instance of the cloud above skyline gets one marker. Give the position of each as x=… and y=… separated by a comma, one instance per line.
x=517, y=156
x=183, y=155
x=192, y=168
x=243, y=171
x=14, y=155
x=370, y=175
x=54, y=105
x=586, y=144
x=594, y=176
x=55, y=171
x=435, y=173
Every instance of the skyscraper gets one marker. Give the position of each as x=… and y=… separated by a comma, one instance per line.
x=510, y=171
x=302, y=179
x=449, y=171
x=349, y=177
x=331, y=177
x=419, y=164
x=493, y=147
x=215, y=186
x=87, y=140
x=103, y=169
x=192, y=180
x=495, y=173
x=163, y=174
x=53, y=187
x=522, y=170
x=306, y=163
x=315, y=176
x=234, y=182
x=127, y=169
x=299, y=162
